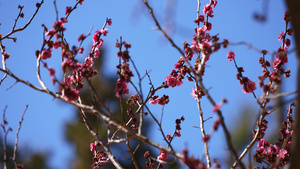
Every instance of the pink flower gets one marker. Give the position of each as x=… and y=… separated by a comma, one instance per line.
x=249, y=87
x=69, y=80
x=162, y=156
x=230, y=55
x=50, y=32
x=92, y=146
x=201, y=31
x=104, y=32
x=282, y=153
x=214, y=3
x=69, y=92
x=122, y=88
x=290, y=31
x=171, y=81
x=96, y=37
x=6, y=55
x=286, y=16
x=81, y=37
x=281, y=34
x=96, y=53
x=216, y=108
x=163, y=100
x=199, y=19
x=68, y=10
x=209, y=26
x=177, y=133
x=100, y=43
x=208, y=10
x=64, y=20
x=57, y=44
x=109, y=22
x=59, y=25
x=80, y=1
x=276, y=63
x=206, y=138
x=89, y=61
x=262, y=144
x=80, y=50
x=195, y=47
x=168, y=137
x=287, y=42
x=46, y=54
x=216, y=125
x=197, y=94
x=153, y=101
x=51, y=71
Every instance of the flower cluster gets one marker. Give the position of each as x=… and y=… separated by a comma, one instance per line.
x=151, y=161
x=197, y=93
x=280, y=59
x=277, y=154
x=173, y=79
x=230, y=55
x=100, y=157
x=191, y=161
x=177, y=130
x=178, y=127
x=161, y=101
x=132, y=101
x=162, y=156
x=124, y=72
x=76, y=71
x=248, y=85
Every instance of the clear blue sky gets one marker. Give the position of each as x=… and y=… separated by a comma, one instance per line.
x=43, y=130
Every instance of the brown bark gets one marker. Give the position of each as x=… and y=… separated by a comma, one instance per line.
x=293, y=8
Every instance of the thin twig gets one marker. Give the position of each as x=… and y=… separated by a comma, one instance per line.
x=203, y=132
x=140, y=92
x=276, y=96
x=3, y=61
x=131, y=153
x=225, y=129
x=11, y=85
x=56, y=11
x=14, y=158
x=252, y=47
x=4, y=122
x=25, y=26
x=159, y=28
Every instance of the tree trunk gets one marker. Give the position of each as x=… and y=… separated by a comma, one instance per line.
x=293, y=8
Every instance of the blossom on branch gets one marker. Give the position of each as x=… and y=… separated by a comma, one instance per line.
x=46, y=54
x=230, y=55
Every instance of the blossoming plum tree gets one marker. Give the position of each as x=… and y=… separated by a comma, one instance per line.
x=193, y=58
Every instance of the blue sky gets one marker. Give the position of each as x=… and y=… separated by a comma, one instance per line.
x=42, y=128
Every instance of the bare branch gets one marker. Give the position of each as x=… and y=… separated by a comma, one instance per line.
x=276, y=96
x=4, y=122
x=159, y=28
x=203, y=131
x=14, y=158
x=25, y=26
